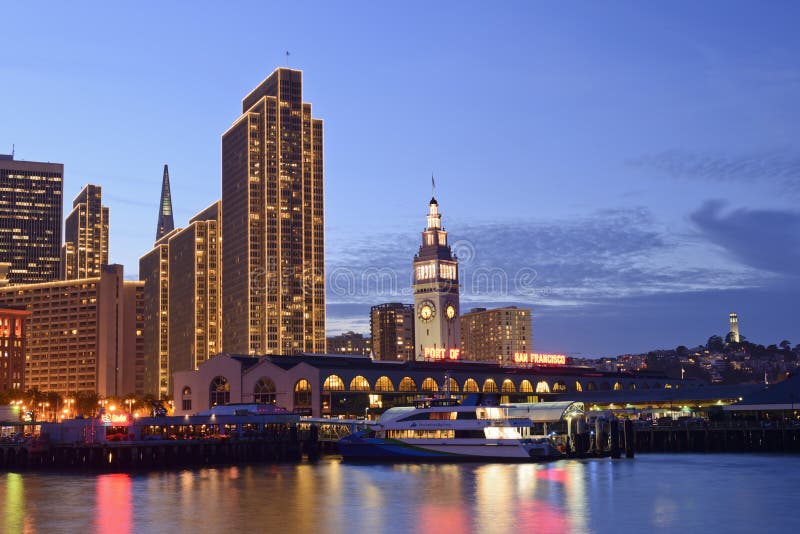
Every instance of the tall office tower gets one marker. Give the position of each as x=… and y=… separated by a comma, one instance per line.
x=30, y=219
x=165, y=221
x=273, y=276
x=194, y=292
x=12, y=347
x=734, y=327
x=76, y=333
x=436, y=289
x=154, y=272
x=392, y=327
x=495, y=335
x=133, y=371
x=86, y=229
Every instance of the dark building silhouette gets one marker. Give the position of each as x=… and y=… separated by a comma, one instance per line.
x=30, y=219
x=165, y=221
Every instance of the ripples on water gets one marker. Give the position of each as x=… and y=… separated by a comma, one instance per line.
x=676, y=493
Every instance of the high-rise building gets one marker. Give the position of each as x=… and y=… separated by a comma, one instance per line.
x=273, y=277
x=133, y=371
x=30, y=219
x=165, y=221
x=194, y=292
x=154, y=272
x=495, y=335
x=85, y=248
x=12, y=347
x=436, y=290
x=77, y=332
x=350, y=343
x=733, y=321
x=392, y=328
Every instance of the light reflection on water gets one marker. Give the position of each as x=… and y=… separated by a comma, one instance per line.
x=720, y=493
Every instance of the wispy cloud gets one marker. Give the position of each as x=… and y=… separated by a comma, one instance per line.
x=778, y=167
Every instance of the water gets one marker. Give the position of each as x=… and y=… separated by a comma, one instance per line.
x=653, y=493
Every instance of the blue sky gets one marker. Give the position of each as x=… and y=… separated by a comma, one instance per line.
x=629, y=170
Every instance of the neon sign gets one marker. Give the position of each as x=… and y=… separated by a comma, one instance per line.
x=432, y=353
x=116, y=419
x=540, y=359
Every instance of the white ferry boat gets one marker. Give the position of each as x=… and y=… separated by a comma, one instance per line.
x=441, y=429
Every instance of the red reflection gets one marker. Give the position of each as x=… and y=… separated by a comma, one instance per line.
x=438, y=519
x=114, y=513
x=542, y=517
x=554, y=475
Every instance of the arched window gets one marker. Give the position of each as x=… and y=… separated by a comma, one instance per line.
x=408, y=384
x=542, y=387
x=302, y=393
x=559, y=387
x=489, y=386
x=333, y=383
x=632, y=386
x=429, y=385
x=604, y=386
x=667, y=386
x=187, y=398
x=578, y=387
x=454, y=386
x=384, y=383
x=525, y=386
x=470, y=386
x=617, y=386
x=359, y=383
x=264, y=391
x=645, y=385
x=590, y=386
x=508, y=386
x=219, y=392
x=656, y=386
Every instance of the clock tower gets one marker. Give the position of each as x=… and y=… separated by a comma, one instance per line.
x=436, y=311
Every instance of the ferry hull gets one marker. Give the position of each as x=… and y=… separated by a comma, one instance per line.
x=388, y=450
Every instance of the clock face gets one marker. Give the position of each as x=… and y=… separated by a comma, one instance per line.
x=450, y=311
x=427, y=311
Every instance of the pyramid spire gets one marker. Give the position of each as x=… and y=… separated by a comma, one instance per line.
x=165, y=222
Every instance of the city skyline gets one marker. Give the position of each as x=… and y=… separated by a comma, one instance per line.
x=678, y=209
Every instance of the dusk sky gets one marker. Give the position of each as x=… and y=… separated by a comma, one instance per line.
x=628, y=170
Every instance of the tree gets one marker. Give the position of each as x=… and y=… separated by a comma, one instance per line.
x=785, y=345
x=681, y=350
x=715, y=344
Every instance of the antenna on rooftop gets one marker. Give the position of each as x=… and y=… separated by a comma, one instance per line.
x=287, y=59
x=13, y=149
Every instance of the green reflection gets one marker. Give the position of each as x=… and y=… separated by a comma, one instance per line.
x=14, y=514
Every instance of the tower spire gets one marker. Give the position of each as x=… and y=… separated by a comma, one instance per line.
x=165, y=221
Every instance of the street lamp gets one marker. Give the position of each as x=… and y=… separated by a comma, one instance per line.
x=129, y=402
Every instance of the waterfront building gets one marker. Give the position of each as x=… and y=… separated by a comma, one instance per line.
x=79, y=336
x=436, y=293
x=86, y=229
x=392, y=327
x=12, y=347
x=30, y=219
x=166, y=222
x=495, y=335
x=350, y=343
x=350, y=385
x=273, y=275
x=733, y=322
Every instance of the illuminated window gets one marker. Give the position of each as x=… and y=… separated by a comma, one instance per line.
x=333, y=383
x=359, y=383
x=526, y=387
x=559, y=387
x=489, y=386
x=542, y=387
x=384, y=384
x=219, y=392
x=187, y=398
x=578, y=386
x=302, y=393
x=407, y=384
x=632, y=386
x=508, y=386
x=453, y=386
x=264, y=391
x=429, y=385
x=617, y=386
x=470, y=386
